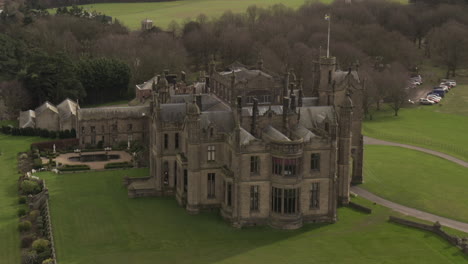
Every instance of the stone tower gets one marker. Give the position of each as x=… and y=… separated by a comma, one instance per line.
x=326, y=72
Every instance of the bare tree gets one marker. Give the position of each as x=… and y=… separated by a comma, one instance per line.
x=448, y=45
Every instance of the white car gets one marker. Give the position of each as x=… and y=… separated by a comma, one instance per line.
x=430, y=97
x=425, y=101
x=452, y=83
x=434, y=99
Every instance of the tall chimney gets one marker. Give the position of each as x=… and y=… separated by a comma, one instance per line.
x=299, y=100
x=253, y=126
x=285, y=111
x=199, y=101
x=293, y=102
x=286, y=84
x=239, y=108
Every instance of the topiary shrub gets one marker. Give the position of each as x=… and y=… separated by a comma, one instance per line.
x=46, y=254
x=37, y=163
x=23, y=156
x=33, y=215
x=40, y=245
x=26, y=241
x=21, y=212
x=30, y=187
x=48, y=261
x=24, y=226
x=22, y=199
x=29, y=257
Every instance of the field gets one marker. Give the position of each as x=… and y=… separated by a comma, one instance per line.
x=95, y=222
x=442, y=127
x=162, y=13
x=9, y=237
x=417, y=180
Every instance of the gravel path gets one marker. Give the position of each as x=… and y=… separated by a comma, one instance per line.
x=374, y=141
x=410, y=211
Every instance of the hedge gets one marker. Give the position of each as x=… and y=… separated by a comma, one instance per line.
x=29, y=131
x=74, y=168
x=63, y=144
x=116, y=165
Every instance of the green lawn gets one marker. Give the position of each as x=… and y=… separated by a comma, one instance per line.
x=9, y=236
x=162, y=13
x=95, y=222
x=442, y=127
x=9, y=123
x=417, y=180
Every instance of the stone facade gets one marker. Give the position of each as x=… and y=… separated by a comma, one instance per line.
x=253, y=144
x=255, y=147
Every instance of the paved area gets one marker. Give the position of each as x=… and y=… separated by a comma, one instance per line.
x=374, y=141
x=410, y=211
x=94, y=165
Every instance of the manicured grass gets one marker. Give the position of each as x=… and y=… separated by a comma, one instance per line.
x=162, y=13
x=9, y=123
x=417, y=180
x=442, y=127
x=9, y=236
x=95, y=222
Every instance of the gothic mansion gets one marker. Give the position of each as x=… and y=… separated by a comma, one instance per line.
x=256, y=145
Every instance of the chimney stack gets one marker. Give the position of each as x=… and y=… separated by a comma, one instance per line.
x=239, y=108
x=199, y=101
x=293, y=102
x=299, y=100
x=254, y=117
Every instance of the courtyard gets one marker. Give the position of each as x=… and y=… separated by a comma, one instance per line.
x=96, y=160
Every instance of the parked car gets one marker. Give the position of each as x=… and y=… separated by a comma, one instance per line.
x=453, y=83
x=439, y=92
x=434, y=96
x=425, y=101
x=417, y=78
x=434, y=99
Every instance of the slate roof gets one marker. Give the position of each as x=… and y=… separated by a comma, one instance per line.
x=302, y=132
x=113, y=112
x=340, y=76
x=27, y=119
x=243, y=74
x=270, y=133
x=173, y=112
x=148, y=85
x=224, y=121
x=245, y=137
x=66, y=109
x=45, y=106
x=316, y=114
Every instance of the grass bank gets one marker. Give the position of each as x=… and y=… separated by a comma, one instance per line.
x=417, y=180
x=95, y=222
x=162, y=13
x=9, y=236
x=442, y=127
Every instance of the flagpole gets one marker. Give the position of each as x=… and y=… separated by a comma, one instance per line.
x=328, y=42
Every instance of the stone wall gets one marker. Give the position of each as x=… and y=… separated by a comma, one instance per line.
x=461, y=243
x=40, y=202
x=360, y=208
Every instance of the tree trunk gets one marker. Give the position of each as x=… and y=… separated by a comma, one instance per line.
x=396, y=111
